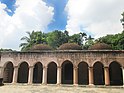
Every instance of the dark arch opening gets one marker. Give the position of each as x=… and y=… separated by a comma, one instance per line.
x=8, y=73
x=83, y=74
x=52, y=73
x=23, y=73
x=67, y=72
x=38, y=73
x=115, y=72
x=98, y=73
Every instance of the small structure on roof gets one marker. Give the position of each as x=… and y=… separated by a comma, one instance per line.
x=70, y=46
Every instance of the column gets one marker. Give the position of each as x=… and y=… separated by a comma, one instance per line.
x=75, y=75
x=123, y=74
x=107, y=80
x=30, y=75
x=44, y=81
x=1, y=72
x=15, y=74
x=58, y=75
x=91, y=76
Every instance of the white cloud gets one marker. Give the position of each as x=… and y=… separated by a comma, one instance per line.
x=98, y=17
x=29, y=15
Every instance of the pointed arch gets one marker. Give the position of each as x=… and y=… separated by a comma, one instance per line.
x=38, y=73
x=83, y=74
x=98, y=73
x=52, y=73
x=8, y=73
x=67, y=72
x=23, y=73
x=115, y=72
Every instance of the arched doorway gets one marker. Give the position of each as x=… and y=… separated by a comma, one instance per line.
x=98, y=73
x=115, y=72
x=83, y=74
x=23, y=73
x=52, y=73
x=8, y=73
x=37, y=73
x=67, y=72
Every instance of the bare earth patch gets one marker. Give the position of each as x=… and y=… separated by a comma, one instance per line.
x=57, y=89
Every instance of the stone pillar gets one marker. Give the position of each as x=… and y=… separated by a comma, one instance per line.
x=123, y=74
x=44, y=81
x=59, y=75
x=107, y=80
x=30, y=75
x=15, y=74
x=1, y=72
x=75, y=75
x=91, y=76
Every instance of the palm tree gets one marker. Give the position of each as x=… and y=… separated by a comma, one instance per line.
x=122, y=20
x=29, y=41
x=83, y=37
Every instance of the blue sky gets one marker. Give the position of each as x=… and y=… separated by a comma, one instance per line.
x=60, y=17
x=10, y=5
x=95, y=17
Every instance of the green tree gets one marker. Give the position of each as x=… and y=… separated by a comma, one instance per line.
x=6, y=50
x=122, y=19
x=33, y=38
x=89, y=42
x=75, y=39
x=115, y=41
x=57, y=38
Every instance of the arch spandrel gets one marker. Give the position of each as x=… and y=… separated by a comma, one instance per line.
x=52, y=62
x=116, y=62
x=35, y=62
x=65, y=61
x=4, y=65
x=92, y=64
x=82, y=62
x=24, y=62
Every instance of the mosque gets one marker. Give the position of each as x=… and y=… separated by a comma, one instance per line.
x=69, y=64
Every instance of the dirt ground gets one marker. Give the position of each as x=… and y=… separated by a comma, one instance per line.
x=57, y=89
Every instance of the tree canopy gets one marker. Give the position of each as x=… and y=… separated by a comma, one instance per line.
x=54, y=39
x=115, y=41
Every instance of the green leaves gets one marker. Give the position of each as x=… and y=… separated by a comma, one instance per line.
x=54, y=39
x=116, y=41
x=33, y=38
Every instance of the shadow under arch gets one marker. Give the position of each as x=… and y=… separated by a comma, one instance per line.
x=23, y=71
x=38, y=73
x=115, y=73
x=8, y=73
x=52, y=73
x=83, y=73
x=98, y=73
x=67, y=72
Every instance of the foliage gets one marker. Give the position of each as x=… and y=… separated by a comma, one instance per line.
x=122, y=19
x=115, y=41
x=54, y=39
x=57, y=38
x=33, y=38
x=5, y=50
x=89, y=42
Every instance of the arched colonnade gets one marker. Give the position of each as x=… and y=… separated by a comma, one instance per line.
x=67, y=73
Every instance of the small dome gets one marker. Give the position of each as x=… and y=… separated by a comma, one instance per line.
x=70, y=46
x=100, y=46
x=41, y=47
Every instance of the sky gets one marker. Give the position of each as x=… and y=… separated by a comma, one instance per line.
x=94, y=17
